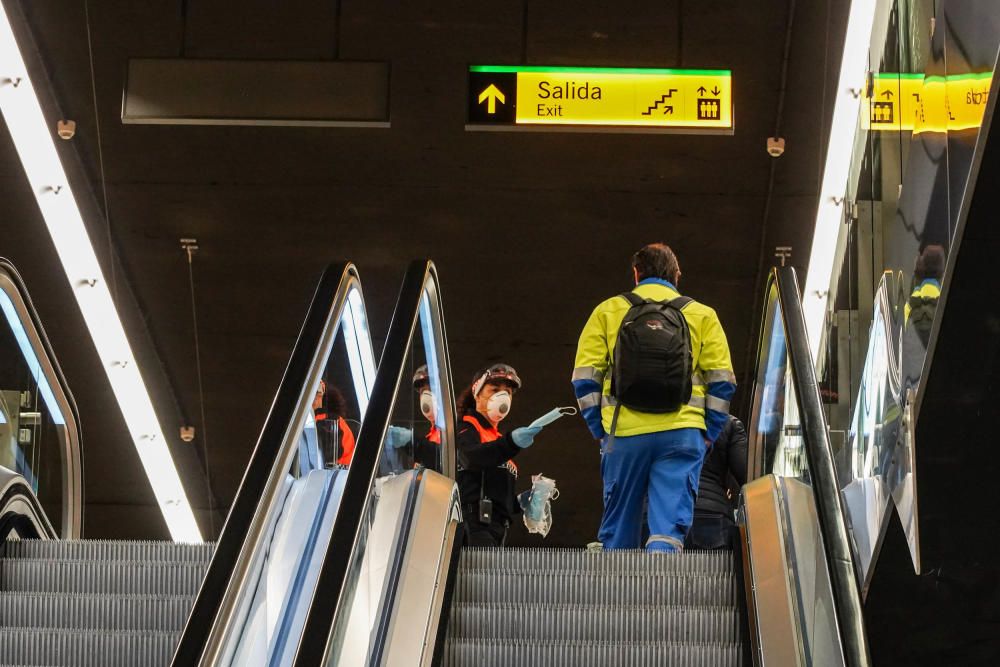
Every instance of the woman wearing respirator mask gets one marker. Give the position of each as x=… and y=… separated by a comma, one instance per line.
x=486, y=473
x=426, y=449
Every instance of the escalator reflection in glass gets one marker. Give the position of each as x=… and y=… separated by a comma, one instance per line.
x=38, y=426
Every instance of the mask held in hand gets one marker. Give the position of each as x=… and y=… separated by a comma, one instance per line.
x=537, y=504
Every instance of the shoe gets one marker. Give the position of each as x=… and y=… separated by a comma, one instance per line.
x=594, y=547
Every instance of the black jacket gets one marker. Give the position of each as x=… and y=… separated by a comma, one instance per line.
x=484, y=465
x=726, y=460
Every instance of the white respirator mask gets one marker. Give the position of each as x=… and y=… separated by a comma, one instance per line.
x=428, y=404
x=498, y=406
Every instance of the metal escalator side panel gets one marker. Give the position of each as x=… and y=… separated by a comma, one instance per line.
x=371, y=595
x=417, y=317
x=216, y=614
x=420, y=598
x=791, y=606
x=273, y=609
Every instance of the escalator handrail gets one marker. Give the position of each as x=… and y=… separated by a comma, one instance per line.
x=329, y=595
x=266, y=471
x=819, y=452
x=20, y=512
x=72, y=453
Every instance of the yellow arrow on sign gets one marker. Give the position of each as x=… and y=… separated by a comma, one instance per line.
x=491, y=96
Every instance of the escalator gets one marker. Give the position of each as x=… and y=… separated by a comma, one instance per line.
x=320, y=564
x=67, y=601
x=93, y=602
x=521, y=607
x=786, y=596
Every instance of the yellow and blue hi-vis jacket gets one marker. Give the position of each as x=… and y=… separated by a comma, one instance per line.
x=928, y=289
x=713, y=380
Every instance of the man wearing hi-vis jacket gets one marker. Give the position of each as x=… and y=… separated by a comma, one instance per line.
x=655, y=452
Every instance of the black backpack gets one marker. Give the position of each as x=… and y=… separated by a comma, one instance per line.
x=922, y=309
x=651, y=369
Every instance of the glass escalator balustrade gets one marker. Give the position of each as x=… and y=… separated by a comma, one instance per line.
x=418, y=436
x=39, y=432
x=797, y=539
x=875, y=469
x=272, y=609
x=778, y=433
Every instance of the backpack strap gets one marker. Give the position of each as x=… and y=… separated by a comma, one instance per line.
x=680, y=302
x=636, y=300
x=633, y=298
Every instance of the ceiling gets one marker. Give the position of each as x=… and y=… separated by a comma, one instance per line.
x=529, y=230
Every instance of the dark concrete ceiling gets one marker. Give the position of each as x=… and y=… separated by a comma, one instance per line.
x=529, y=231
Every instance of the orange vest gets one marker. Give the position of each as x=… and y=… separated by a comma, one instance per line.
x=346, y=442
x=434, y=435
x=488, y=435
x=346, y=439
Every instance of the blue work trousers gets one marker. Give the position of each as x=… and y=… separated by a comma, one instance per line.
x=663, y=466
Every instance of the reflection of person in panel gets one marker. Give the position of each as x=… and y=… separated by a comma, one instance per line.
x=426, y=448
x=919, y=312
x=335, y=435
x=486, y=473
x=922, y=303
x=724, y=471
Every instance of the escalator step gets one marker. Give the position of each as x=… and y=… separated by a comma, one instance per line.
x=102, y=577
x=89, y=612
x=86, y=648
x=92, y=550
x=603, y=562
x=527, y=588
x=596, y=624
x=505, y=653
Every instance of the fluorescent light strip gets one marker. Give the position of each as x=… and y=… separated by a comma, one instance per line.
x=33, y=140
x=847, y=106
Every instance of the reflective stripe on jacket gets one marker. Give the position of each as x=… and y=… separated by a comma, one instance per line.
x=713, y=380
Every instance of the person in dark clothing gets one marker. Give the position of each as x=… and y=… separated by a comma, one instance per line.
x=486, y=472
x=725, y=468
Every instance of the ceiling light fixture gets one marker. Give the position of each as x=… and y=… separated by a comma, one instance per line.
x=35, y=146
x=843, y=129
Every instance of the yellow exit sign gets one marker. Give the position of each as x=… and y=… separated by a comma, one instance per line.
x=600, y=99
x=919, y=104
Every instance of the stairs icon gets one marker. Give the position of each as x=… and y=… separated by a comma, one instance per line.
x=663, y=100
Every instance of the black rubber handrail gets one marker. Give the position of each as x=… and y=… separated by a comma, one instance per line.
x=822, y=471
x=20, y=512
x=75, y=515
x=254, y=487
x=330, y=598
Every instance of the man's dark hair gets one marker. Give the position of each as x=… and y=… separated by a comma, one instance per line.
x=657, y=260
x=930, y=263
